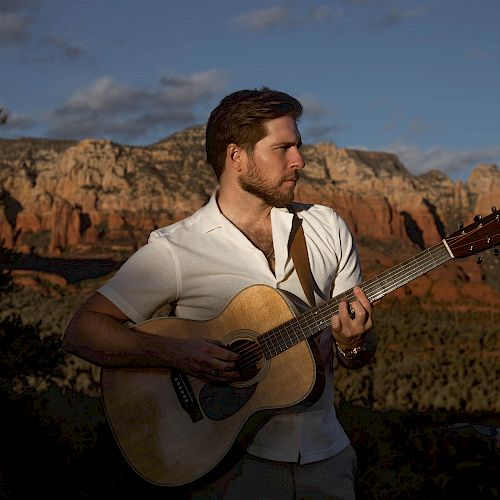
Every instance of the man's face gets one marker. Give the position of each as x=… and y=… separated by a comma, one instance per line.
x=272, y=169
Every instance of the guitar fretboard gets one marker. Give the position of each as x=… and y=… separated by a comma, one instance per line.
x=316, y=319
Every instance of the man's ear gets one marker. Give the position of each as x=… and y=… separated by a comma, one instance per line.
x=234, y=157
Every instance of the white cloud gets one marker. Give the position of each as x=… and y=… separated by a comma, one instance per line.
x=317, y=121
x=17, y=121
x=455, y=163
x=322, y=13
x=16, y=20
x=397, y=16
x=19, y=20
x=313, y=109
x=121, y=112
x=105, y=95
x=371, y=3
x=262, y=19
x=18, y=5
x=285, y=15
x=188, y=90
x=69, y=49
x=13, y=28
x=322, y=133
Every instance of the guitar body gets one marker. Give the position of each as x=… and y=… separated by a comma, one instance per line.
x=171, y=442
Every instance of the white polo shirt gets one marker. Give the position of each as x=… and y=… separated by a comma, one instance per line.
x=203, y=261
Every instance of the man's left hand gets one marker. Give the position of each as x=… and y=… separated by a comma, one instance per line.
x=352, y=322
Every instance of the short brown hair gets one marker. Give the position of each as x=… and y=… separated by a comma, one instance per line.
x=240, y=119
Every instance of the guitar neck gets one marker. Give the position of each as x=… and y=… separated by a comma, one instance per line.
x=401, y=274
x=316, y=319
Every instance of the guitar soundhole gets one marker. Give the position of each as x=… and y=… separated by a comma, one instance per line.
x=251, y=360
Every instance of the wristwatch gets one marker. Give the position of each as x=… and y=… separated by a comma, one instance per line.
x=356, y=351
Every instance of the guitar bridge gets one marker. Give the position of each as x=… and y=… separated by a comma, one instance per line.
x=185, y=395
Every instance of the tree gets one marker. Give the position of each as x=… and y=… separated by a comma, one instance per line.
x=3, y=116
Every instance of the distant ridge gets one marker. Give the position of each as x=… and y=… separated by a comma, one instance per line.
x=96, y=198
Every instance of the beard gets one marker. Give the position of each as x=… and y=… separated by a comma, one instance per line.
x=254, y=183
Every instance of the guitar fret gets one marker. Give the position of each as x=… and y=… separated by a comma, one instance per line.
x=265, y=347
x=309, y=323
x=303, y=328
x=385, y=283
x=316, y=319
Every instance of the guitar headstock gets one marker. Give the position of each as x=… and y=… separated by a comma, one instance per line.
x=482, y=234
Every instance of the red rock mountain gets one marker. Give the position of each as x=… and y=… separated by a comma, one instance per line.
x=98, y=198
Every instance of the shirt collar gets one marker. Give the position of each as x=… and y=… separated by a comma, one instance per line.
x=212, y=218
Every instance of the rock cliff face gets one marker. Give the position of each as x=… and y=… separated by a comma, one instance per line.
x=96, y=197
x=82, y=198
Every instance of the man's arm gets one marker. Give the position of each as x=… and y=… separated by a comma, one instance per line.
x=352, y=332
x=97, y=333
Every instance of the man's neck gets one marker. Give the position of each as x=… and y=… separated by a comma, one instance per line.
x=252, y=217
x=243, y=209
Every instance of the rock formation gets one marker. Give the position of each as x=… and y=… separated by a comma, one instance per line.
x=98, y=198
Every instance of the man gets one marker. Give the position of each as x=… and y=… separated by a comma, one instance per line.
x=240, y=238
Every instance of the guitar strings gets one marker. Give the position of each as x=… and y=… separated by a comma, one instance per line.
x=254, y=352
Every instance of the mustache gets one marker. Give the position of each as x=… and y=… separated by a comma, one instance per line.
x=295, y=177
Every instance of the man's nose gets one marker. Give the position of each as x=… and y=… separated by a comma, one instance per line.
x=298, y=160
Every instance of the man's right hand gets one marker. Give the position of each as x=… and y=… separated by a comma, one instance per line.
x=204, y=359
x=97, y=333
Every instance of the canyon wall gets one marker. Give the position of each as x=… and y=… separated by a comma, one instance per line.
x=98, y=198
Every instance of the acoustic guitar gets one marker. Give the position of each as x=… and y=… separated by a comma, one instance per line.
x=175, y=429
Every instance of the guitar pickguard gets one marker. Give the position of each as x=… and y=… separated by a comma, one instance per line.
x=221, y=401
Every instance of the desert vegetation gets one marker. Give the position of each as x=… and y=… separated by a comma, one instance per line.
x=422, y=416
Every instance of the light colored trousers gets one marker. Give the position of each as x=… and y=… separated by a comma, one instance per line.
x=255, y=478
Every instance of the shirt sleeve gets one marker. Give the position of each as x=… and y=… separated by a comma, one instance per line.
x=145, y=282
x=349, y=269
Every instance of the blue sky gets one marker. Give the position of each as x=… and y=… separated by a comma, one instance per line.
x=420, y=79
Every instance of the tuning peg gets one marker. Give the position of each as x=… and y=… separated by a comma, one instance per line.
x=477, y=218
x=460, y=226
x=493, y=209
x=479, y=259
